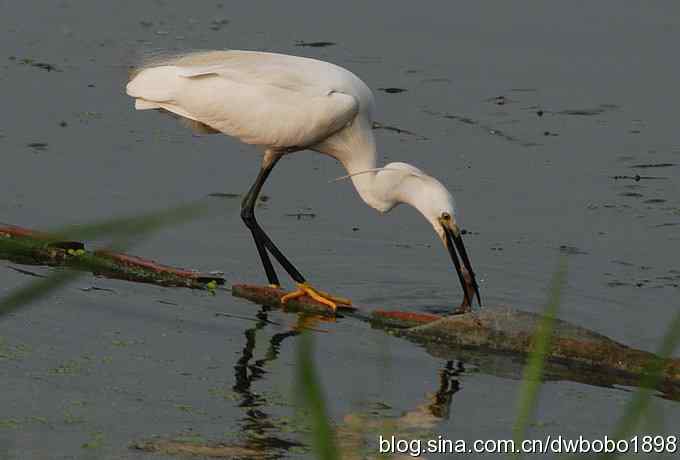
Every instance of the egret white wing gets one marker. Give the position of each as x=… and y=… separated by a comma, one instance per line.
x=260, y=101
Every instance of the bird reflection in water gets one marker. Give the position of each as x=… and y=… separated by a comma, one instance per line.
x=264, y=432
x=448, y=386
x=258, y=427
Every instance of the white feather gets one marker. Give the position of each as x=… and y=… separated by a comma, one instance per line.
x=264, y=99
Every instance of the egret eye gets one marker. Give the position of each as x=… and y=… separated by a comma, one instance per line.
x=446, y=216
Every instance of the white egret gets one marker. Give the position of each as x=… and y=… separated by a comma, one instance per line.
x=285, y=104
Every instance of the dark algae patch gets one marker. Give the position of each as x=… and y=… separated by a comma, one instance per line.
x=314, y=44
x=38, y=146
x=638, y=178
x=301, y=215
x=218, y=24
x=37, y=64
x=394, y=129
x=491, y=130
x=571, y=250
x=499, y=100
x=462, y=119
x=653, y=165
x=589, y=112
x=392, y=90
x=224, y=195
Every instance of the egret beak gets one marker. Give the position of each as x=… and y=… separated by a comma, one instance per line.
x=466, y=276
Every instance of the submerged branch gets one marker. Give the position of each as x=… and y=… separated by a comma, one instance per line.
x=28, y=247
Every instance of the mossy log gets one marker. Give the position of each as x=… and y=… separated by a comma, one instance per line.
x=28, y=247
x=499, y=330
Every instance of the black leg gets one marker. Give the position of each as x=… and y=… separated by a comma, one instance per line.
x=266, y=263
x=248, y=216
x=262, y=241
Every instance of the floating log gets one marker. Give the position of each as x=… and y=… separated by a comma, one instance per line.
x=497, y=331
x=29, y=247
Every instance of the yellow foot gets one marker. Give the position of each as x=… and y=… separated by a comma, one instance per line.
x=320, y=296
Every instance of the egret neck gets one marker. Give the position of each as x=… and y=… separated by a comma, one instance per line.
x=396, y=183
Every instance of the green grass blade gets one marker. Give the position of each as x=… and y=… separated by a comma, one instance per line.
x=134, y=225
x=533, y=371
x=310, y=395
x=36, y=290
x=638, y=405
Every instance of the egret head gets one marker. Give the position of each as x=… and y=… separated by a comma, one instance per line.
x=435, y=203
x=395, y=183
